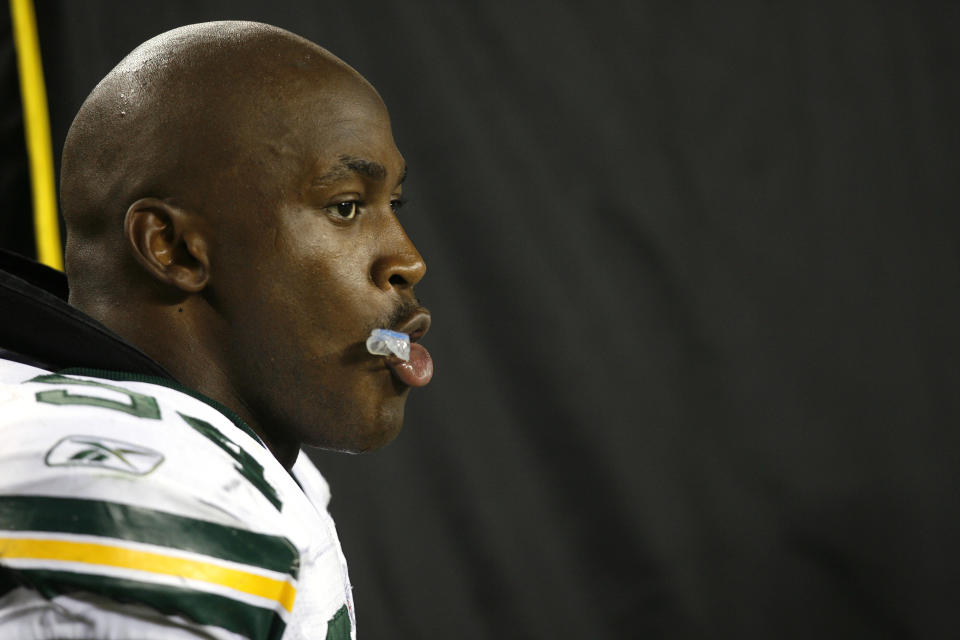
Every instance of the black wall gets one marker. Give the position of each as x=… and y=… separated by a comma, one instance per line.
x=695, y=280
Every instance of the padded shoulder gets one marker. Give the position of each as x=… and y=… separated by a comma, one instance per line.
x=141, y=494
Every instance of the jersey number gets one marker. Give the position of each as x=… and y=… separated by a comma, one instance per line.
x=140, y=405
x=247, y=465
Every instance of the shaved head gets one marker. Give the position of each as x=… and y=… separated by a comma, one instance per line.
x=175, y=120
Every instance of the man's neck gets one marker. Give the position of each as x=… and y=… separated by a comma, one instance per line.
x=181, y=339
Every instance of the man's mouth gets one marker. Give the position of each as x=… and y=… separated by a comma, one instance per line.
x=415, y=325
x=418, y=370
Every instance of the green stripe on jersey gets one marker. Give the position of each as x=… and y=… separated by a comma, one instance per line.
x=8, y=581
x=136, y=524
x=338, y=627
x=201, y=607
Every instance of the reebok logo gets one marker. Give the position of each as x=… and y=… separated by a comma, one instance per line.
x=103, y=453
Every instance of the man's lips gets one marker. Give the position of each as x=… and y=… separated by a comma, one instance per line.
x=418, y=370
x=415, y=325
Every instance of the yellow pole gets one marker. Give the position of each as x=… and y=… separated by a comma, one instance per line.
x=36, y=126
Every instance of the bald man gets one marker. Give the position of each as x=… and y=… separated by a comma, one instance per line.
x=230, y=193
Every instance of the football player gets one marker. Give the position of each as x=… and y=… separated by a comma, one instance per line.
x=230, y=193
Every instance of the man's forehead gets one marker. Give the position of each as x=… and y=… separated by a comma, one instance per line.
x=320, y=132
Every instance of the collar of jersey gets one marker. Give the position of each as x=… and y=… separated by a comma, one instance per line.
x=39, y=324
x=40, y=328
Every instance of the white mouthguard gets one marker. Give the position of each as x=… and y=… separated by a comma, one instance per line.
x=383, y=342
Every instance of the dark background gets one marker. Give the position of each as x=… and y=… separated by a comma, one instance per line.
x=694, y=274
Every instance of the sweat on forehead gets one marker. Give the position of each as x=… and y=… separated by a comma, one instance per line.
x=177, y=107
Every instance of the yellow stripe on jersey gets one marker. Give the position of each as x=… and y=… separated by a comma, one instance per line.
x=36, y=125
x=280, y=591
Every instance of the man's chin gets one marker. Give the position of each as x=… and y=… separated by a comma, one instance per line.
x=361, y=437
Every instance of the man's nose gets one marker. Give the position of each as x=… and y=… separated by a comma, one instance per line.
x=400, y=266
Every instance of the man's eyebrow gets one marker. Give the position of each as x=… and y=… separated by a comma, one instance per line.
x=350, y=164
x=366, y=168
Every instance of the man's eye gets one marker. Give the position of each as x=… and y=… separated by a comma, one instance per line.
x=397, y=204
x=347, y=210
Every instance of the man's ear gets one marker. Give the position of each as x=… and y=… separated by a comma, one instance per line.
x=169, y=242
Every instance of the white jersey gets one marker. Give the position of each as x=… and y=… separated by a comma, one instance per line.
x=133, y=510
